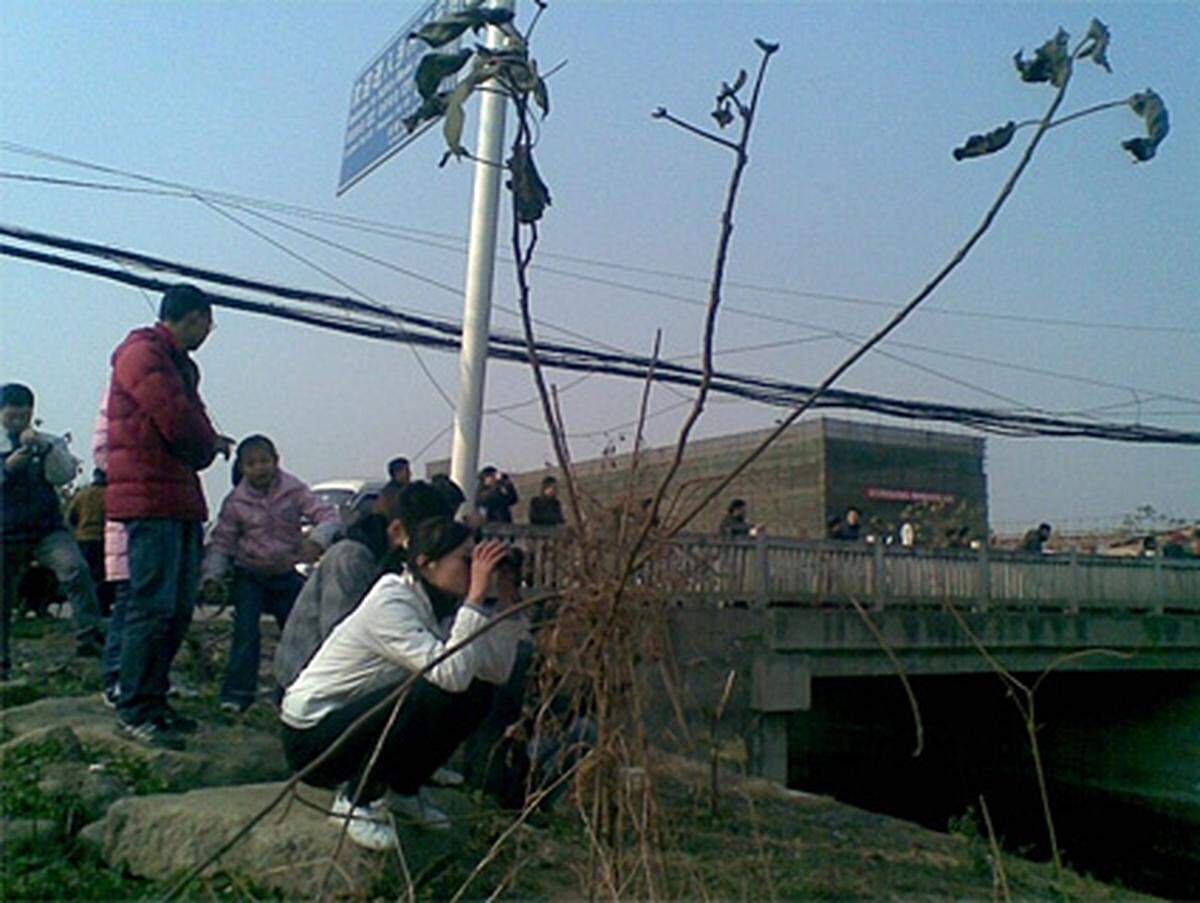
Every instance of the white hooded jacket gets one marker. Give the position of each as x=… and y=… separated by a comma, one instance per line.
x=392, y=634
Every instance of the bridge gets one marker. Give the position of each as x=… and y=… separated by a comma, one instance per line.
x=786, y=613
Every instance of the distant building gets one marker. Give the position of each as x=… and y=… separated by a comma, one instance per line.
x=814, y=471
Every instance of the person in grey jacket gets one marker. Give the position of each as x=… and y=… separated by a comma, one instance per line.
x=428, y=622
x=374, y=545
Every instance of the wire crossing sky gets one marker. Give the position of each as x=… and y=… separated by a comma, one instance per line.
x=1080, y=303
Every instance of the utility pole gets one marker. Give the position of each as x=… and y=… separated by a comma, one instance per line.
x=481, y=265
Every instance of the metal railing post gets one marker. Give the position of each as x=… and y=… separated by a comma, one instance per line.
x=764, y=570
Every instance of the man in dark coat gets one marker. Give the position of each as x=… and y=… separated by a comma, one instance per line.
x=545, y=510
x=31, y=521
x=160, y=436
x=495, y=496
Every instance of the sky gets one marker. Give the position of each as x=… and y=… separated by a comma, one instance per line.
x=851, y=196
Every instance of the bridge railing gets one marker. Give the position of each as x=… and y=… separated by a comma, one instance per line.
x=777, y=570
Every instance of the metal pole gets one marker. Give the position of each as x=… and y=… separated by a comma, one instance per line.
x=477, y=295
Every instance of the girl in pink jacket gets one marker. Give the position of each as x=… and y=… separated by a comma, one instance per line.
x=259, y=532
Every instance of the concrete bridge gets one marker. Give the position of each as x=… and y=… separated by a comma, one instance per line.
x=811, y=671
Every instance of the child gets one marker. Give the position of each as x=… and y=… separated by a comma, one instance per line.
x=402, y=627
x=259, y=530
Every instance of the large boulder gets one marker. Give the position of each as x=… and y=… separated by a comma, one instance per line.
x=290, y=850
x=217, y=754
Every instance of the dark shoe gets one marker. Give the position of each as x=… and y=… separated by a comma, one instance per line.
x=111, y=695
x=150, y=733
x=178, y=722
x=235, y=708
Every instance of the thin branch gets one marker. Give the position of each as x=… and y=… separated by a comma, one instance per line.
x=661, y=113
x=895, y=321
x=1079, y=114
x=999, y=879
x=710, y=325
x=900, y=672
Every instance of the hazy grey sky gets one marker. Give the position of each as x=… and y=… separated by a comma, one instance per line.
x=851, y=194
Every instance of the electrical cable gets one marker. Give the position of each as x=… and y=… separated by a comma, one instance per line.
x=554, y=355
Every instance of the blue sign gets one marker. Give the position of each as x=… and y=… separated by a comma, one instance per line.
x=384, y=94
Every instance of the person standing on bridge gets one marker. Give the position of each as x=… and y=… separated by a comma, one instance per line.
x=1036, y=538
x=159, y=437
x=495, y=496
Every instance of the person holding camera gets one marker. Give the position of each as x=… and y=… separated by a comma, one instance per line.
x=35, y=465
x=495, y=496
x=425, y=622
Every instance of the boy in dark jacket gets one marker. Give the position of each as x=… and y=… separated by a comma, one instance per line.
x=159, y=437
x=35, y=464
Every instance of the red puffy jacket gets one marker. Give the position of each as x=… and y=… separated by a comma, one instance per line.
x=159, y=434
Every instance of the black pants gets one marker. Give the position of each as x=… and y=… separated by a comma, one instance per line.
x=428, y=728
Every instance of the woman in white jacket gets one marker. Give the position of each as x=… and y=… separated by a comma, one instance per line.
x=404, y=624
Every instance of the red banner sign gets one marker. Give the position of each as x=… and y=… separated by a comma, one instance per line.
x=881, y=494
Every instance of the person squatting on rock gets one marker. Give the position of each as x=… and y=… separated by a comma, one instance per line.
x=258, y=530
x=405, y=623
x=31, y=522
x=373, y=546
x=159, y=437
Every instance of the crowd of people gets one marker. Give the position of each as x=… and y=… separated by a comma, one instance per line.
x=403, y=597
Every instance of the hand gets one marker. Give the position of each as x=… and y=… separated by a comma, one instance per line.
x=225, y=446
x=310, y=552
x=212, y=592
x=18, y=459
x=30, y=438
x=488, y=554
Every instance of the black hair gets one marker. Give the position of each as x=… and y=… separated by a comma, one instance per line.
x=99, y=477
x=487, y=472
x=395, y=463
x=549, y=481
x=436, y=537
x=1045, y=528
x=180, y=300
x=16, y=395
x=450, y=491
x=258, y=440
x=735, y=504
x=371, y=531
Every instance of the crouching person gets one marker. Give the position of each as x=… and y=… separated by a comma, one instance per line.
x=401, y=628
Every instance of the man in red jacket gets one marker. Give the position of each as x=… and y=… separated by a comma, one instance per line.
x=159, y=437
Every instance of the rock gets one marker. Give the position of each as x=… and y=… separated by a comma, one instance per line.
x=92, y=788
x=160, y=837
x=60, y=736
x=218, y=754
x=17, y=830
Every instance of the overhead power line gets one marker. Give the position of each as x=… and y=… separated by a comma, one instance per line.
x=424, y=236
x=444, y=335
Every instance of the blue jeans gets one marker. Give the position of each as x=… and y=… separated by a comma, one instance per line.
x=164, y=574
x=111, y=662
x=253, y=595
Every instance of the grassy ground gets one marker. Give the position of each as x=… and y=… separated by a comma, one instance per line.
x=763, y=843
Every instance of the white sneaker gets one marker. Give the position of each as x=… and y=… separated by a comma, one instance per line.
x=375, y=811
x=447, y=777
x=368, y=824
x=417, y=811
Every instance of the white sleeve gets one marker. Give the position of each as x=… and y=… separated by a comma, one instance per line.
x=59, y=465
x=404, y=639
